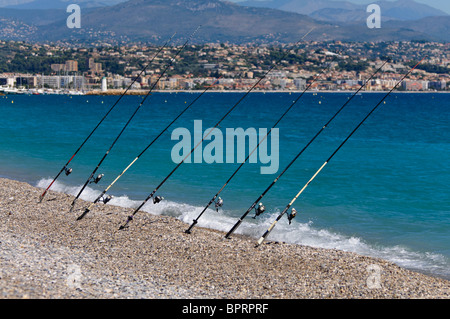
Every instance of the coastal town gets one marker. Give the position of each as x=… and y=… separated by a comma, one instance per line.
x=27, y=68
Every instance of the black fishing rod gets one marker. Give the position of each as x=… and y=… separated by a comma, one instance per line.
x=68, y=170
x=260, y=208
x=294, y=212
x=106, y=199
x=95, y=180
x=130, y=218
x=219, y=202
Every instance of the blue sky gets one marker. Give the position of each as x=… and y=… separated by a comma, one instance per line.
x=443, y=5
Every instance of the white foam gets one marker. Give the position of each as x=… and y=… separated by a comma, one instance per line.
x=88, y=194
x=296, y=233
x=306, y=234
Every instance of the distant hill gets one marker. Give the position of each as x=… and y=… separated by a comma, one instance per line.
x=438, y=26
x=144, y=20
x=29, y=17
x=300, y=6
x=345, y=11
x=156, y=20
x=408, y=10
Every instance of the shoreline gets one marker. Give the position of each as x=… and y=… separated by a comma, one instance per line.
x=46, y=253
x=144, y=92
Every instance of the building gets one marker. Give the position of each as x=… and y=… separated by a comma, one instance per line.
x=26, y=81
x=104, y=85
x=12, y=80
x=58, y=67
x=300, y=83
x=121, y=82
x=94, y=67
x=71, y=66
x=277, y=75
x=437, y=85
x=60, y=82
x=415, y=85
x=211, y=66
x=53, y=82
x=91, y=63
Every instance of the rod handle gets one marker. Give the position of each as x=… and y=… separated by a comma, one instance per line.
x=188, y=231
x=233, y=229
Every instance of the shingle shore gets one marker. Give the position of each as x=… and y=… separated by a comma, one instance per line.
x=46, y=253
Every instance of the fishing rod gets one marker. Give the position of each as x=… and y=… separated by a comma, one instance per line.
x=130, y=218
x=293, y=211
x=68, y=170
x=219, y=202
x=106, y=199
x=260, y=209
x=95, y=180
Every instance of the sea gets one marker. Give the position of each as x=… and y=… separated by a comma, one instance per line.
x=384, y=194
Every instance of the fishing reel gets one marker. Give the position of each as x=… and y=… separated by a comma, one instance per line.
x=96, y=179
x=292, y=215
x=219, y=203
x=67, y=171
x=157, y=199
x=105, y=199
x=259, y=210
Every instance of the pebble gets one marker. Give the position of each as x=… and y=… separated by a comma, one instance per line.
x=46, y=253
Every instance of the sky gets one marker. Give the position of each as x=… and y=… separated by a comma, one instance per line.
x=443, y=5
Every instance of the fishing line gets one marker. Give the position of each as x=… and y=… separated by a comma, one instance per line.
x=68, y=170
x=95, y=180
x=106, y=199
x=130, y=218
x=328, y=160
x=260, y=209
x=219, y=202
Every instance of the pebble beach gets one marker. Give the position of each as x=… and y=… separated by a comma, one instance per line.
x=45, y=253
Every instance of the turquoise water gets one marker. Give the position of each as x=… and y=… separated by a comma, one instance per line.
x=384, y=194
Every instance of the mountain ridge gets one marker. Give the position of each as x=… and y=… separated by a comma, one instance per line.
x=346, y=11
x=152, y=21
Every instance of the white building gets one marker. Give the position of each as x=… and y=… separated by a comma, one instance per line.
x=104, y=84
x=61, y=82
x=300, y=83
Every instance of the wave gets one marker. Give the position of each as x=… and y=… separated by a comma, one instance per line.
x=296, y=233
